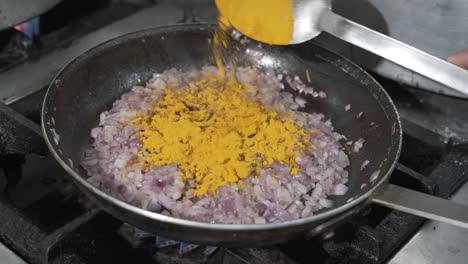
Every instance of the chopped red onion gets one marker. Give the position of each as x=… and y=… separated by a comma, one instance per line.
x=364, y=165
x=358, y=144
x=274, y=196
x=340, y=189
x=322, y=94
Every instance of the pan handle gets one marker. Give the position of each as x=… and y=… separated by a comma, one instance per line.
x=421, y=204
x=409, y=57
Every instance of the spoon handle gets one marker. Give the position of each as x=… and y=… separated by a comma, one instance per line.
x=441, y=71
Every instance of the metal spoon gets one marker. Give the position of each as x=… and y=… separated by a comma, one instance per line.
x=311, y=17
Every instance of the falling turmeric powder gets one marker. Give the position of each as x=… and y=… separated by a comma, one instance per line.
x=220, y=44
x=270, y=22
x=217, y=135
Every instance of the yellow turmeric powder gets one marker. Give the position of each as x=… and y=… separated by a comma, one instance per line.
x=267, y=21
x=220, y=44
x=217, y=135
x=211, y=129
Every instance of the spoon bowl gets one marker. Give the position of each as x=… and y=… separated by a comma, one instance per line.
x=311, y=17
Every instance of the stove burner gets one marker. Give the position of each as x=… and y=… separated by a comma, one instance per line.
x=31, y=28
x=184, y=248
x=137, y=236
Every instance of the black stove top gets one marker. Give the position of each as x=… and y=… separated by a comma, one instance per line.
x=45, y=219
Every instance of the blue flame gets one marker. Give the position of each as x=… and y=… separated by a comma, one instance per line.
x=184, y=248
x=30, y=28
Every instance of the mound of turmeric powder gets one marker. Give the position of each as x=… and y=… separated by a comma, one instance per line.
x=217, y=134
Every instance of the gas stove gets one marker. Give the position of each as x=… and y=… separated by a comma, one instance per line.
x=45, y=219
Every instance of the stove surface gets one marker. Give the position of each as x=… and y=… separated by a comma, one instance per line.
x=63, y=226
x=437, y=242
x=45, y=219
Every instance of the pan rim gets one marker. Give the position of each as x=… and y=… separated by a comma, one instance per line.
x=203, y=225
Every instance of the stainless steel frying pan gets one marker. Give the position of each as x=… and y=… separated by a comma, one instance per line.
x=93, y=81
